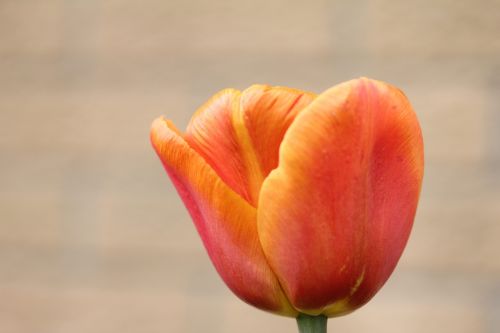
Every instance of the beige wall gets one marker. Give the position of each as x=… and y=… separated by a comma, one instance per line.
x=92, y=235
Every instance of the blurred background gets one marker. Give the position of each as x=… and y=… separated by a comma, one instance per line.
x=93, y=237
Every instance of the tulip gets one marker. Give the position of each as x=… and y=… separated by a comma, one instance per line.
x=304, y=202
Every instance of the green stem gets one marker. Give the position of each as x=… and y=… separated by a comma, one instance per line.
x=311, y=324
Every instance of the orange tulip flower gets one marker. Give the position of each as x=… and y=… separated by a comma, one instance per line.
x=304, y=202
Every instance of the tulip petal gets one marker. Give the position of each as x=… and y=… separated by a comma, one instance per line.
x=267, y=112
x=224, y=220
x=211, y=133
x=335, y=215
x=239, y=134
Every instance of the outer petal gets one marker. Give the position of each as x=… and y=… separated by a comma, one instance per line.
x=335, y=215
x=225, y=222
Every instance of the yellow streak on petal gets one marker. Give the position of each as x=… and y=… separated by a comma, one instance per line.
x=338, y=308
x=341, y=307
x=358, y=283
x=254, y=175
